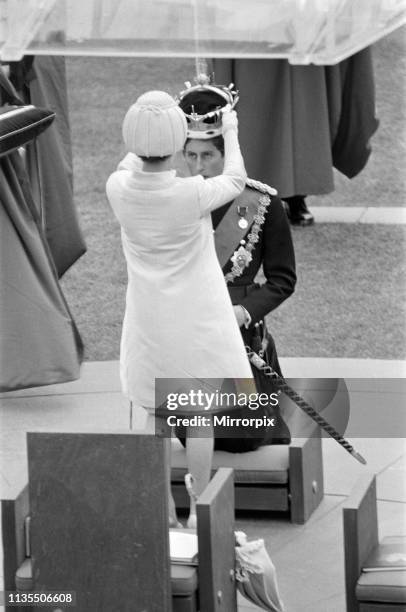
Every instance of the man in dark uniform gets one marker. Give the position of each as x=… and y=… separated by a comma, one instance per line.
x=250, y=232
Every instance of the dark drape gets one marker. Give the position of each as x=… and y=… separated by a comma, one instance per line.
x=39, y=343
x=357, y=121
x=42, y=82
x=297, y=122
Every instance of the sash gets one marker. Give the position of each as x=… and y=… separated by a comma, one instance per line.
x=228, y=233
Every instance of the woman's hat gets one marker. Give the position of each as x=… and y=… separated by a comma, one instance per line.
x=204, y=104
x=154, y=126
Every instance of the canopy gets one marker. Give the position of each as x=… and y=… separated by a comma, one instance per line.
x=303, y=31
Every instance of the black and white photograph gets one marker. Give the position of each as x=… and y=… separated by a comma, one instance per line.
x=202, y=305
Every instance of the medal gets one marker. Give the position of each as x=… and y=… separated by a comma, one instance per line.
x=241, y=257
x=242, y=222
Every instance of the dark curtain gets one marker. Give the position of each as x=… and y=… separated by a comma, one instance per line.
x=297, y=122
x=40, y=344
x=357, y=118
x=42, y=82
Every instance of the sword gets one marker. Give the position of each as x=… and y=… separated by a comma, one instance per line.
x=281, y=383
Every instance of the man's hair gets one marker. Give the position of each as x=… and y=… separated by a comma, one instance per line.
x=153, y=160
x=217, y=141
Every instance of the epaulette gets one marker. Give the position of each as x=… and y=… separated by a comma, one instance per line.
x=262, y=187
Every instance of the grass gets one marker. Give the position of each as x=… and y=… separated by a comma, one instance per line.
x=350, y=294
x=351, y=287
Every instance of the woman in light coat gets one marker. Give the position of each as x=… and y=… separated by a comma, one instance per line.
x=179, y=321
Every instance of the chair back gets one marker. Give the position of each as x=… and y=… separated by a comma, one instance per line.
x=360, y=523
x=215, y=531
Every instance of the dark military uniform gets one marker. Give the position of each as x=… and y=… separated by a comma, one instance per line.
x=250, y=232
x=273, y=249
x=256, y=223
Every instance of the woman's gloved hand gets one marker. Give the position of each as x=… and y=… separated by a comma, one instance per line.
x=229, y=121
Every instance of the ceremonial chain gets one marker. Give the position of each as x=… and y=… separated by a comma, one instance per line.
x=242, y=256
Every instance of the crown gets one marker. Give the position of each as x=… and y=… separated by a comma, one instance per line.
x=203, y=105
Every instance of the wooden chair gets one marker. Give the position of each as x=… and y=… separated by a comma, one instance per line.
x=282, y=478
x=380, y=591
x=216, y=590
x=279, y=478
x=92, y=529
